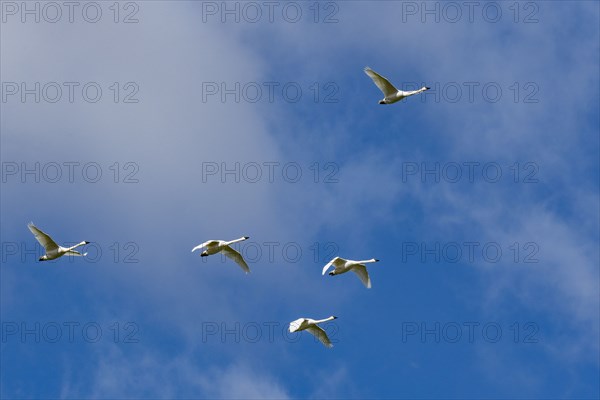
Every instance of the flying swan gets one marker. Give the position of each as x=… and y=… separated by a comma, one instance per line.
x=216, y=246
x=311, y=326
x=392, y=95
x=358, y=267
x=53, y=250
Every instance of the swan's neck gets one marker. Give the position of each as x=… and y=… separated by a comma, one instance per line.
x=237, y=240
x=77, y=245
x=372, y=260
x=324, y=320
x=413, y=92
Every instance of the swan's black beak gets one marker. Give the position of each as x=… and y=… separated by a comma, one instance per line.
x=86, y=242
x=427, y=88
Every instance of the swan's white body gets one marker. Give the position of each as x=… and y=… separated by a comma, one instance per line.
x=311, y=325
x=342, y=266
x=392, y=95
x=221, y=246
x=53, y=250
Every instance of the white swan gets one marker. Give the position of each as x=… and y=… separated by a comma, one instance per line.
x=216, y=246
x=53, y=250
x=392, y=95
x=342, y=266
x=311, y=326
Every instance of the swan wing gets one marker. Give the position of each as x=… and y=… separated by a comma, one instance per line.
x=75, y=253
x=362, y=273
x=326, y=267
x=337, y=262
x=43, y=238
x=320, y=334
x=295, y=325
x=203, y=245
x=237, y=257
x=382, y=83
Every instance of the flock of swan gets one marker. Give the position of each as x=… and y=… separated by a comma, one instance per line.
x=340, y=265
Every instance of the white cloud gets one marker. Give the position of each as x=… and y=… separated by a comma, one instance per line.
x=118, y=373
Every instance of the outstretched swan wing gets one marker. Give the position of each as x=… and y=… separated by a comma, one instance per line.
x=43, y=238
x=326, y=267
x=203, y=245
x=237, y=257
x=336, y=262
x=362, y=273
x=295, y=325
x=382, y=83
x=320, y=334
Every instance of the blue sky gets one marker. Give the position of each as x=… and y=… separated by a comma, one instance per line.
x=488, y=284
